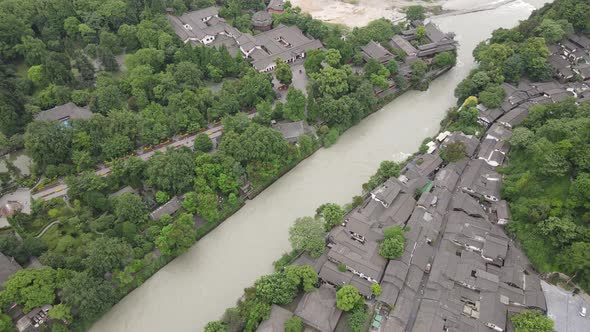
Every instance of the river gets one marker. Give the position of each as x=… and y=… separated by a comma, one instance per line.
x=198, y=286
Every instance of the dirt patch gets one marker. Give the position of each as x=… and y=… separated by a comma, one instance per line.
x=361, y=13
x=358, y=14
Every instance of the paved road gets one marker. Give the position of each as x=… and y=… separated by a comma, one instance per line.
x=61, y=189
x=564, y=308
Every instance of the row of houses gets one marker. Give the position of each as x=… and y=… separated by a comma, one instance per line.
x=570, y=58
x=521, y=98
x=205, y=27
x=459, y=271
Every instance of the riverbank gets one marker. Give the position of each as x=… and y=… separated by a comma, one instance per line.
x=467, y=197
x=248, y=242
x=157, y=263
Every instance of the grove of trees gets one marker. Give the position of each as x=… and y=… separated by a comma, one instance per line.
x=547, y=183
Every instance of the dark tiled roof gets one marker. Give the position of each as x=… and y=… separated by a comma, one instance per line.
x=387, y=192
x=583, y=70
x=292, y=130
x=284, y=42
x=470, y=142
x=64, y=112
x=493, y=151
x=489, y=115
x=402, y=44
x=8, y=267
x=514, y=117
x=306, y=259
x=423, y=165
x=433, y=32
x=446, y=178
x=277, y=5
x=363, y=258
x=481, y=178
x=194, y=25
x=261, y=19
x=375, y=51
x=500, y=132
x=169, y=208
x=318, y=309
x=276, y=321
x=580, y=40
x=463, y=202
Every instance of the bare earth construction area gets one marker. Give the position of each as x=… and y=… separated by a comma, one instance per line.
x=352, y=14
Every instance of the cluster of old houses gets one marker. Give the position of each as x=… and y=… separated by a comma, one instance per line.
x=401, y=47
x=285, y=42
x=571, y=58
x=289, y=43
x=402, y=43
x=438, y=41
x=520, y=99
x=459, y=271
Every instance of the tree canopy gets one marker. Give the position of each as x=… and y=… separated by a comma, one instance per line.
x=532, y=321
x=394, y=243
x=283, y=72
x=332, y=214
x=203, y=143
x=347, y=297
x=176, y=238
x=89, y=295
x=294, y=324
x=30, y=288
x=172, y=171
x=415, y=13
x=453, y=152
x=547, y=186
x=105, y=255
x=276, y=288
x=308, y=233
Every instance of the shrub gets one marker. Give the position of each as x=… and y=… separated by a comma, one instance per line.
x=453, y=152
x=294, y=324
x=394, y=244
x=203, y=143
x=376, y=289
x=342, y=267
x=331, y=137
x=347, y=298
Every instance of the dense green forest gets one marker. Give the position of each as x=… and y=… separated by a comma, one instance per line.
x=144, y=85
x=546, y=181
